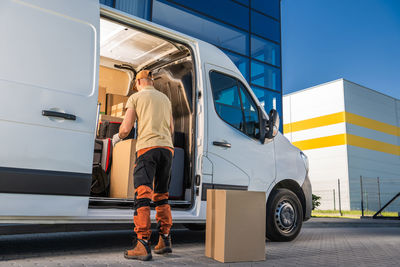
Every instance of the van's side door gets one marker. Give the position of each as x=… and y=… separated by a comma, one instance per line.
x=48, y=84
x=233, y=134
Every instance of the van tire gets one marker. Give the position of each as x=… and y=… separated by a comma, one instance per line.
x=195, y=226
x=284, y=216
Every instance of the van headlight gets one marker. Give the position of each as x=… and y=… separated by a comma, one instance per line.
x=305, y=160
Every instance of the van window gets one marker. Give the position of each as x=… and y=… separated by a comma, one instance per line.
x=250, y=112
x=234, y=104
x=226, y=99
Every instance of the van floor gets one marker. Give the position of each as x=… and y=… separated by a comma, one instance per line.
x=122, y=203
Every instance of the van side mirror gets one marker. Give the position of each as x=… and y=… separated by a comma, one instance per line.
x=272, y=127
x=269, y=127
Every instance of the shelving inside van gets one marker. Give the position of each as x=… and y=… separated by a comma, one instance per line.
x=124, y=51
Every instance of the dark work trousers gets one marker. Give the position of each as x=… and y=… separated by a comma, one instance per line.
x=153, y=167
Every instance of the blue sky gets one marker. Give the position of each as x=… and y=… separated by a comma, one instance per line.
x=324, y=40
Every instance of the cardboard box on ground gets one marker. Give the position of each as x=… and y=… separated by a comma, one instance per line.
x=123, y=162
x=235, y=227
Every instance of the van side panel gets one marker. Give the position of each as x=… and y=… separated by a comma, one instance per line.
x=49, y=62
x=43, y=205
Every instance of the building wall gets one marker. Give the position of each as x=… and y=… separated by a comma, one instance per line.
x=347, y=131
x=377, y=152
x=314, y=122
x=248, y=31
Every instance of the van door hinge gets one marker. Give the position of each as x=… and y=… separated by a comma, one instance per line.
x=197, y=191
x=198, y=179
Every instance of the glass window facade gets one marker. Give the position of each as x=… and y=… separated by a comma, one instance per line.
x=265, y=75
x=248, y=31
x=268, y=7
x=265, y=27
x=139, y=8
x=201, y=27
x=233, y=13
x=265, y=51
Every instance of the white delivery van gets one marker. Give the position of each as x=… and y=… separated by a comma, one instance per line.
x=54, y=57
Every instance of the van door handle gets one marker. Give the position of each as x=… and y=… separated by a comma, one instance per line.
x=50, y=113
x=223, y=144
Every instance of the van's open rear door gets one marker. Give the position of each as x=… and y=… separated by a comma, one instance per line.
x=48, y=86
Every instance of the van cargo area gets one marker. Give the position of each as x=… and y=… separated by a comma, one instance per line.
x=124, y=51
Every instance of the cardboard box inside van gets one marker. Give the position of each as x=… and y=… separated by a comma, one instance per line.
x=123, y=163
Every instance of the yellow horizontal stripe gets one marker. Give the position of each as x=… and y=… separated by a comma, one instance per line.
x=326, y=141
x=339, y=118
x=349, y=139
x=372, y=124
x=371, y=144
x=314, y=122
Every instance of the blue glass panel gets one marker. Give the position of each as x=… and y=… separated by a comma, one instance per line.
x=266, y=51
x=269, y=100
x=225, y=10
x=244, y=2
x=241, y=62
x=265, y=75
x=197, y=26
x=107, y=2
x=269, y=7
x=265, y=27
x=139, y=8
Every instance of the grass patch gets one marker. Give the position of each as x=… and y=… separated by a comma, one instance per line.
x=334, y=213
x=334, y=216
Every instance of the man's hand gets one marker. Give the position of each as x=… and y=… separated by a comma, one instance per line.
x=115, y=139
x=127, y=123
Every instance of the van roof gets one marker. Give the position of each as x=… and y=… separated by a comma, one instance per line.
x=209, y=52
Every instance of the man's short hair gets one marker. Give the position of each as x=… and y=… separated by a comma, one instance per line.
x=144, y=74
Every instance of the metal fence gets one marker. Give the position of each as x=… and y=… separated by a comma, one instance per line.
x=376, y=192
x=330, y=199
x=368, y=195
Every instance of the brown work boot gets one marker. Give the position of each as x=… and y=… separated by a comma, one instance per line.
x=164, y=245
x=141, y=251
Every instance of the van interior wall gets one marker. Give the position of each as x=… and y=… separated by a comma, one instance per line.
x=176, y=81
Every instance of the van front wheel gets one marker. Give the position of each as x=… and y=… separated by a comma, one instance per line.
x=284, y=215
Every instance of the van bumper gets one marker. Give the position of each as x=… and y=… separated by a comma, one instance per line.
x=306, y=187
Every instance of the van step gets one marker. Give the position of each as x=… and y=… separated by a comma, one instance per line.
x=122, y=203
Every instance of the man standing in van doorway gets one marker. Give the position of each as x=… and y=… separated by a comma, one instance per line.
x=154, y=152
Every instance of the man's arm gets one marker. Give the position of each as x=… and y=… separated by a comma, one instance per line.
x=127, y=123
x=171, y=125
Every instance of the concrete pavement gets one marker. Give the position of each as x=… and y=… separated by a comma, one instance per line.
x=327, y=242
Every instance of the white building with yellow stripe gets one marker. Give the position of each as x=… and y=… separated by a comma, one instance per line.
x=347, y=131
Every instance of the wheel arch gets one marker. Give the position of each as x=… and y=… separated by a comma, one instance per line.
x=295, y=188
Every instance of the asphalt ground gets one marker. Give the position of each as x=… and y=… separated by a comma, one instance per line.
x=323, y=241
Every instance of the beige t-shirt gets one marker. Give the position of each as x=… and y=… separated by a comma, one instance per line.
x=153, y=110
